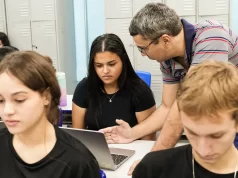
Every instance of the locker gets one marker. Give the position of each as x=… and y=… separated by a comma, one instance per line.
x=19, y=34
x=191, y=19
x=2, y=27
x=2, y=10
x=157, y=87
x=2, y=17
x=44, y=39
x=42, y=10
x=118, y=8
x=182, y=7
x=224, y=19
x=138, y=4
x=213, y=7
x=120, y=28
x=40, y=25
x=18, y=10
x=145, y=64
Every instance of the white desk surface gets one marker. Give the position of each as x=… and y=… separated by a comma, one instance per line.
x=69, y=104
x=141, y=147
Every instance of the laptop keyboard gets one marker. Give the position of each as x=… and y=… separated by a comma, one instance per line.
x=117, y=159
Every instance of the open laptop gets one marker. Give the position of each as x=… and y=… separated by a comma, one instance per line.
x=2, y=125
x=108, y=158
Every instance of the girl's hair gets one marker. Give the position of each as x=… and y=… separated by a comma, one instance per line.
x=4, y=39
x=35, y=72
x=6, y=50
x=128, y=79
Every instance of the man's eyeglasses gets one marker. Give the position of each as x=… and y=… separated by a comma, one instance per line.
x=142, y=50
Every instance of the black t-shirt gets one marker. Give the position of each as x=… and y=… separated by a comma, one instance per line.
x=68, y=159
x=124, y=106
x=171, y=163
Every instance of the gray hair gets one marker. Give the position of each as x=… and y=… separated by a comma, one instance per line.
x=154, y=20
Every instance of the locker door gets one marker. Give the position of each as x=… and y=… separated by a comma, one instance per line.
x=44, y=39
x=120, y=28
x=182, y=7
x=145, y=64
x=118, y=8
x=42, y=10
x=19, y=34
x=190, y=19
x=138, y=4
x=224, y=19
x=2, y=27
x=213, y=7
x=156, y=87
x=17, y=10
x=2, y=17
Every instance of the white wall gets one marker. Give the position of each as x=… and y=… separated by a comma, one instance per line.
x=89, y=23
x=80, y=38
x=95, y=13
x=66, y=42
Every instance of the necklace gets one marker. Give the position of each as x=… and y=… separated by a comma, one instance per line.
x=110, y=99
x=194, y=169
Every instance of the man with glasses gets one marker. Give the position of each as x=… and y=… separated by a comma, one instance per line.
x=161, y=35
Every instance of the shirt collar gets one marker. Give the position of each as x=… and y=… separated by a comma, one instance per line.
x=189, y=34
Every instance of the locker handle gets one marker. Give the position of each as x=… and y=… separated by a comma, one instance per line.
x=34, y=46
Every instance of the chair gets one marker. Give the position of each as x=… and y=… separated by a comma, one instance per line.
x=145, y=76
x=236, y=141
x=60, y=117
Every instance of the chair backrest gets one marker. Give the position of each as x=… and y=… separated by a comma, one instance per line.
x=145, y=76
x=60, y=118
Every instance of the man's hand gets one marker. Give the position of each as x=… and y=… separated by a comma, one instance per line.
x=133, y=166
x=118, y=134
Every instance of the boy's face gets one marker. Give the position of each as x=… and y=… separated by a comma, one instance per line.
x=211, y=137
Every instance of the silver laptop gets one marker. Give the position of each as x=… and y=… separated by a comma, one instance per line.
x=108, y=158
x=2, y=125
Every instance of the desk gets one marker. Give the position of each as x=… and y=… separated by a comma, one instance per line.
x=142, y=148
x=69, y=104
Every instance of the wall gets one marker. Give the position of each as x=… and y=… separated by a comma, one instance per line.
x=89, y=23
x=95, y=13
x=80, y=38
x=66, y=42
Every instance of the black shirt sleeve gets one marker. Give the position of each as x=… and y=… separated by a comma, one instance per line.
x=144, y=100
x=80, y=94
x=91, y=170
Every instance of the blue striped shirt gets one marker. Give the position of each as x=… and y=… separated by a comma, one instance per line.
x=206, y=40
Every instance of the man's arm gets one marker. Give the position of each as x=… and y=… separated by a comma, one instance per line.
x=171, y=130
x=156, y=120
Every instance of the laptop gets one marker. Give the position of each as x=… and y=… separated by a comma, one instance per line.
x=2, y=125
x=108, y=158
